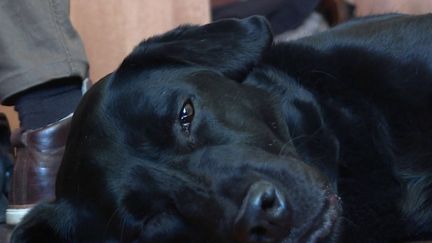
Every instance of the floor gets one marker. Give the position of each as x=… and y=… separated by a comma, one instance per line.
x=6, y=230
x=5, y=233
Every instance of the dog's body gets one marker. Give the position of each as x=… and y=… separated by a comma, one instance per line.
x=326, y=139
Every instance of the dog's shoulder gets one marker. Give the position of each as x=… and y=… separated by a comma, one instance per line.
x=378, y=57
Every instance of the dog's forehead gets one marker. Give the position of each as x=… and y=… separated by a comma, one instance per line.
x=161, y=83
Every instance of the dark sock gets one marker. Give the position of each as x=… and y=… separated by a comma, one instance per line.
x=48, y=103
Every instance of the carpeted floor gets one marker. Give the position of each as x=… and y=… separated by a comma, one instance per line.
x=6, y=230
x=5, y=233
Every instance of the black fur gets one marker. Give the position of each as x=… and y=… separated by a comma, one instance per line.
x=346, y=112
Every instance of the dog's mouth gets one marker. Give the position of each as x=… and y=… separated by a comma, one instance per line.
x=266, y=216
x=325, y=223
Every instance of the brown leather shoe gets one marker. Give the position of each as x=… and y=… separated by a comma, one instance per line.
x=38, y=156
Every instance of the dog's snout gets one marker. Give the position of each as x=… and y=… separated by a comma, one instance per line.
x=264, y=215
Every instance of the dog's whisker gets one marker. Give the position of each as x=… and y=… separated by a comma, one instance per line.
x=123, y=223
x=325, y=73
x=113, y=215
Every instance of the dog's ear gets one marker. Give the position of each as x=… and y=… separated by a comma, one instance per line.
x=229, y=46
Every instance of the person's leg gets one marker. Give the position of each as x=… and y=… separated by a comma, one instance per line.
x=47, y=103
x=5, y=164
x=41, y=71
x=37, y=44
x=371, y=7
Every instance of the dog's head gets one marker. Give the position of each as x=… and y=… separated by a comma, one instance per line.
x=175, y=146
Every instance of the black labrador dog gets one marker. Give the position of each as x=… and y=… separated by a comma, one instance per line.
x=214, y=134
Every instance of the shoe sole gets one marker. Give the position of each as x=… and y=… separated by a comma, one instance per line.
x=15, y=215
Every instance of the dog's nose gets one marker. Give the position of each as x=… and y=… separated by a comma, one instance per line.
x=264, y=215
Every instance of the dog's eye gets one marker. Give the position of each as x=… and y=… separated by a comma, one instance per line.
x=186, y=116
